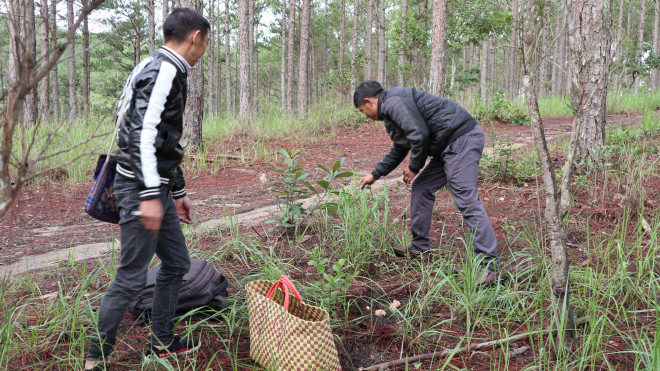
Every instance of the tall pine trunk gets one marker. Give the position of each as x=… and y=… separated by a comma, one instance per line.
x=44, y=85
x=402, y=40
x=303, y=59
x=85, y=63
x=640, y=41
x=228, y=93
x=53, y=75
x=73, y=99
x=244, y=57
x=283, y=57
x=354, y=43
x=437, y=69
x=291, y=56
x=655, y=75
x=483, y=86
x=367, y=40
x=151, y=25
x=342, y=50
x=382, y=46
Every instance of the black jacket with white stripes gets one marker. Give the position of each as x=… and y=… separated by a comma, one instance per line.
x=151, y=116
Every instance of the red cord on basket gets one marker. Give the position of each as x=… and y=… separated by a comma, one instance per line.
x=285, y=285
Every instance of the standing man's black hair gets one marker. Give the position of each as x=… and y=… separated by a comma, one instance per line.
x=367, y=89
x=181, y=21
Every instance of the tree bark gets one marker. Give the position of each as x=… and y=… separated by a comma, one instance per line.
x=558, y=67
x=545, y=39
x=228, y=93
x=342, y=40
x=166, y=9
x=640, y=41
x=655, y=75
x=382, y=46
x=367, y=40
x=151, y=25
x=53, y=75
x=44, y=86
x=283, y=57
x=483, y=93
x=511, y=85
x=303, y=60
x=194, y=114
x=354, y=43
x=73, y=99
x=85, y=63
x=590, y=46
x=438, y=32
x=244, y=57
x=211, y=58
x=616, y=52
x=291, y=56
x=402, y=40
x=251, y=54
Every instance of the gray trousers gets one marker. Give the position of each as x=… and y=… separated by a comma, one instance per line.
x=138, y=247
x=458, y=166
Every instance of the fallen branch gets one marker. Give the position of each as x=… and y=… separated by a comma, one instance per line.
x=386, y=365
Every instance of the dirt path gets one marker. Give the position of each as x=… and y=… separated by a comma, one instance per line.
x=48, y=223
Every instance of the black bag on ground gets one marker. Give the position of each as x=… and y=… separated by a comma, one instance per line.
x=203, y=287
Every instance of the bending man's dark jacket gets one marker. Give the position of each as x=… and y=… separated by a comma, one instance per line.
x=151, y=116
x=420, y=123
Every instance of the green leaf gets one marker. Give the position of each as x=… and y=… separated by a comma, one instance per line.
x=323, y=168
x=323, y=183
x=336, y=166
x=345, y=174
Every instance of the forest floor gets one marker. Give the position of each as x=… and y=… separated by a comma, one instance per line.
x=49, y=216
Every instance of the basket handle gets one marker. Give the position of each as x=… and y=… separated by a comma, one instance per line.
x=285, y=285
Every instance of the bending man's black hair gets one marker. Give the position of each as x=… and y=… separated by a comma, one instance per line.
x=367, y=89
x=181, y=21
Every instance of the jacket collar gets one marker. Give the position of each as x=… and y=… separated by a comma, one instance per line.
x=176, y=58
x=381, y=98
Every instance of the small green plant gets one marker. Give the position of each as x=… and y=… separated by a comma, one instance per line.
x=500, y=109
x=294, y=187
x=333, y=286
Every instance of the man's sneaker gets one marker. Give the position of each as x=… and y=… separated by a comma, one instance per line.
x=177, y=348
x=400, y=251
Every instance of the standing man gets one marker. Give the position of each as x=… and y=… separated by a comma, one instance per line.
x=427, y=125
x=150, y=189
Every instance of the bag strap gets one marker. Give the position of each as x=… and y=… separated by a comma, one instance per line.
x=285, y=285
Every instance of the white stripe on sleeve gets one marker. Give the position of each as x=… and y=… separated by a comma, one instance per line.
x=152, y=118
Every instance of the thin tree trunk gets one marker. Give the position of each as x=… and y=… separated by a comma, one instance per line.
x=484, y=71
x=513, y=55
x=655, y=75
x=166, y=9
x=303, y=93
x=228, y=93
x=493, y=67
x=545, y=39
x=367, y=40
x=354, y=43
x=211, y=58
x=617, y=43
x=342, y=37
x=382, y=46
x=437, y=69
x=53, y=75
x=640, y=40
x=151, y=25
x=29, y=38
x=251, y=54
x=218, y=61
x=553, y=219
x=73, y=103
x=244, y=57
x=44, y=85
x=403, y=37
x=85, y=63
x=291, y=56
x=283, y=57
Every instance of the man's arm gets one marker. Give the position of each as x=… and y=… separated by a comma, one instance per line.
x=391, y=160
x=406, y=115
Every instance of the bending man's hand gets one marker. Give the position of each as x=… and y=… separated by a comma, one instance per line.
x=366, y=180
x=408, y=175
x=184, y=209
x=151, y=214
